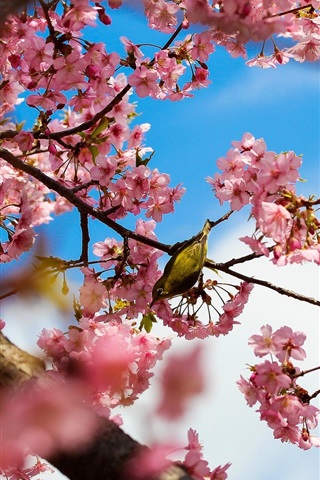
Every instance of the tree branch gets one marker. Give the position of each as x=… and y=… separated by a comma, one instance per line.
x=283, y=291
x=17, y=366
x=86, y=209
x=85, y=238
x=109, y=455
x=83, y=207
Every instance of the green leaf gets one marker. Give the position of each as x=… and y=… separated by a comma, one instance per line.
x=147, y=320
x=51, y=262
x=102, y=125
x=94, y=151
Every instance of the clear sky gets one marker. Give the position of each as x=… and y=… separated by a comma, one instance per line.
x=282, y=106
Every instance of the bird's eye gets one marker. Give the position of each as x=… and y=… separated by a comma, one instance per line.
x=159, y=292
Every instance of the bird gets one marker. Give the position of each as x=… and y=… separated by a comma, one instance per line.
x=184, y=267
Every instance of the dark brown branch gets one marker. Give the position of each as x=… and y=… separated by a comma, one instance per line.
x=86, y=125
x=315, y=394
x=246, y=258
x=83, y=207
x=305, y=372
x=222, y=219
x=283, y=291
x=85, y=238
x=10, y=6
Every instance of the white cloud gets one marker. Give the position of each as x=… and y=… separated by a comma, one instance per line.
x=253, y=87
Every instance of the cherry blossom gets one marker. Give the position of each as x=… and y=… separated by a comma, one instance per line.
x=93, y=159
x=179, y=383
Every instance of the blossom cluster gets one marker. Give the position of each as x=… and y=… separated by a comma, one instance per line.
x=41, y=418
x=93, y=153
x=232, y=24
x=25, y=204
x=284, y=405
x=184, y=319
x=43, y=55
x=152, y=462
x=251, y=174
x=114, y=359
x=196, y=465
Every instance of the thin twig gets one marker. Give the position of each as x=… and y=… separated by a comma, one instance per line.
x=86, y=125
x=222, y=219
x=315, y=394
x=283, y=291
x=304, y=372
x=246, y=258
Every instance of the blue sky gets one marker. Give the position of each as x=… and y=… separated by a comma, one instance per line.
x=281, y=105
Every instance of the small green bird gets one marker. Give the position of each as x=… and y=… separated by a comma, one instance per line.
x=184, y=267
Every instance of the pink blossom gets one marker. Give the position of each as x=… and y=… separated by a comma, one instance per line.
x=109, y=363
x=138, y=181
x=289, y=407
x=122, y=195
x=219, y=473
x=246, y=143
x=249, y=390
x=137, y=135
x=150, y=462
x=115, y=3
x=265, y=343
x=50, y=100
x=270, y=376
x=92, y=295
x=171, y=74
x=131, y=48
x=274, y=221
x=287, y=433
x=232, y=165
x=25, y=140
x=39, y=54
x=53, y=342
x=161, y=15
x=193, y=440
x=70, y=71
x=236, y=49
x=157, y=207
x=9, y=95
x=45, y=419
x=196, y=465
x=21, y=241
x=118, y=133
x=290, y=344
x=109, y=250
x=307, y=49
x=236, y=192
x=145, y=81
x=193, y=461
x=202, y=46
x=104, y=169
x=255, y=245
x=180, y=384
x=79, y=15
x=199, y=79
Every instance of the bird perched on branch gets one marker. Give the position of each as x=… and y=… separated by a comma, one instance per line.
x=184, y=267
